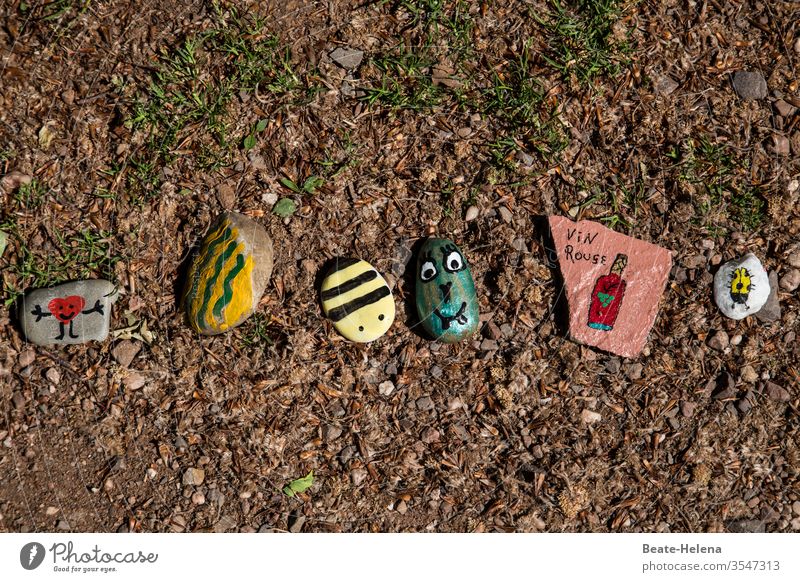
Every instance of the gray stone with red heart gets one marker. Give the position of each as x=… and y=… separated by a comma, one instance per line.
x=72, y=313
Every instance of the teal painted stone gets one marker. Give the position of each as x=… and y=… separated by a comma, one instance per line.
x=445, y=292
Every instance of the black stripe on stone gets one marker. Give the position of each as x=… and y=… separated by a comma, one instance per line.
x=351, y=306
x=349, y=285
x=343, y=264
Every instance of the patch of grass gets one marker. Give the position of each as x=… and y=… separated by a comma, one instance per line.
x=81, y=255
x=32, y=195
x=256, y=331
x=580, y=40
x=405, y=81
x=188, y=99
x=713, y=172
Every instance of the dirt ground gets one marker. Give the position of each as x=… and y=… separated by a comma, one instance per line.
x=126, y=127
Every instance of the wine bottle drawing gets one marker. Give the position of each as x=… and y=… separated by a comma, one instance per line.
x=607, y=296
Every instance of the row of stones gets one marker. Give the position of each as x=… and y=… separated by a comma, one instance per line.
x=230, y=273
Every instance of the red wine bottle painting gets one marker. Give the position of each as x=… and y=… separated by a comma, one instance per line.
x=607, y=296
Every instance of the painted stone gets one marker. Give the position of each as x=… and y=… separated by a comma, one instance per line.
x=72, y=313
x=445, y=292
x=741, y=287
x=613, y=284
x=358, y=300
x=229, y=275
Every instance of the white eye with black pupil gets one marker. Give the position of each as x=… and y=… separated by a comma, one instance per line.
x=453, y=261
x=428, y=271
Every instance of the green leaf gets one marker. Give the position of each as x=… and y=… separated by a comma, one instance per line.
x=312, y=183
x=299, y=485
x=250, y=142
x=285, y=207
x=290, y=185
x=2, y=243
x=261, y=125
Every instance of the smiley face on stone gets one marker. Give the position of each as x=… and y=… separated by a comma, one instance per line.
x=445, y=292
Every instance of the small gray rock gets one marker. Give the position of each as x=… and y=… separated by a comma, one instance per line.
x=775, y=392
x=687, y=408
x=719, y=341
x=749, y=85
x=772, y=308
x=791, y=280
x=347, y=58
x=424, y=403
x=72, y=313
x=125, y=351
x=194, y=476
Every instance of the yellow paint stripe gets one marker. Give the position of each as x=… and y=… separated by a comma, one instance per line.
x=242, y=300
x=208, y=274
x=219, y=288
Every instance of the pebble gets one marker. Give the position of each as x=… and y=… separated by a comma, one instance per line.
x=719, y=341
x=796, y=507
x=737, y=339
x=52, y=375
x=424, y=403
x=489, y=345
x=296, y=522
x=749, y=85
x=746, y=403
x=613, y=365
x=446, y=301
x=505, y=214
x=125, y=351
x=687, y=408
x=777, y=393
x=590, y=416
x=332, y=432
x=791, y=280
x=71, y=313
x=18, y=400
x=634, y=371
x=741, y=287
x=357, y=299
x=229, y=275
x=386, y=388
x=26, y=358
x=134, y=381
x=198, y=498
x=63, y=525
x=471, y=214
x=772, y=308
x=194, y=476
x=794, y=259
x=347, y=58
x=783, y=108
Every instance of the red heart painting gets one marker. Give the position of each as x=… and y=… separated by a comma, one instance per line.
x=65, y=309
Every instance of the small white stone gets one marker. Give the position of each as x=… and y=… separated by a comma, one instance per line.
x=590, y=416
x=472, y=213
x=749, y=295
x=386, y=388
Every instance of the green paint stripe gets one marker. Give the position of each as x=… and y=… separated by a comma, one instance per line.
x=220, y=237
x=213, y=280
x=227, y=292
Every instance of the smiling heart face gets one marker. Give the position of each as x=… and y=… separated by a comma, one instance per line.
x=65, y=309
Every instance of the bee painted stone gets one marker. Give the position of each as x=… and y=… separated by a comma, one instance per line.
x=446, y=301
x=229, y=275
x=72, y=313
x=741, y=287
x=357, y=299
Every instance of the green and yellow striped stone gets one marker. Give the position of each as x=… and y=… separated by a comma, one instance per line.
x=229, y=274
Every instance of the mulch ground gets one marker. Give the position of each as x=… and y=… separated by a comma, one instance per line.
x=404, y=434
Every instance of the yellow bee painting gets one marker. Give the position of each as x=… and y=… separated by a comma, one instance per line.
x=741, y=286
